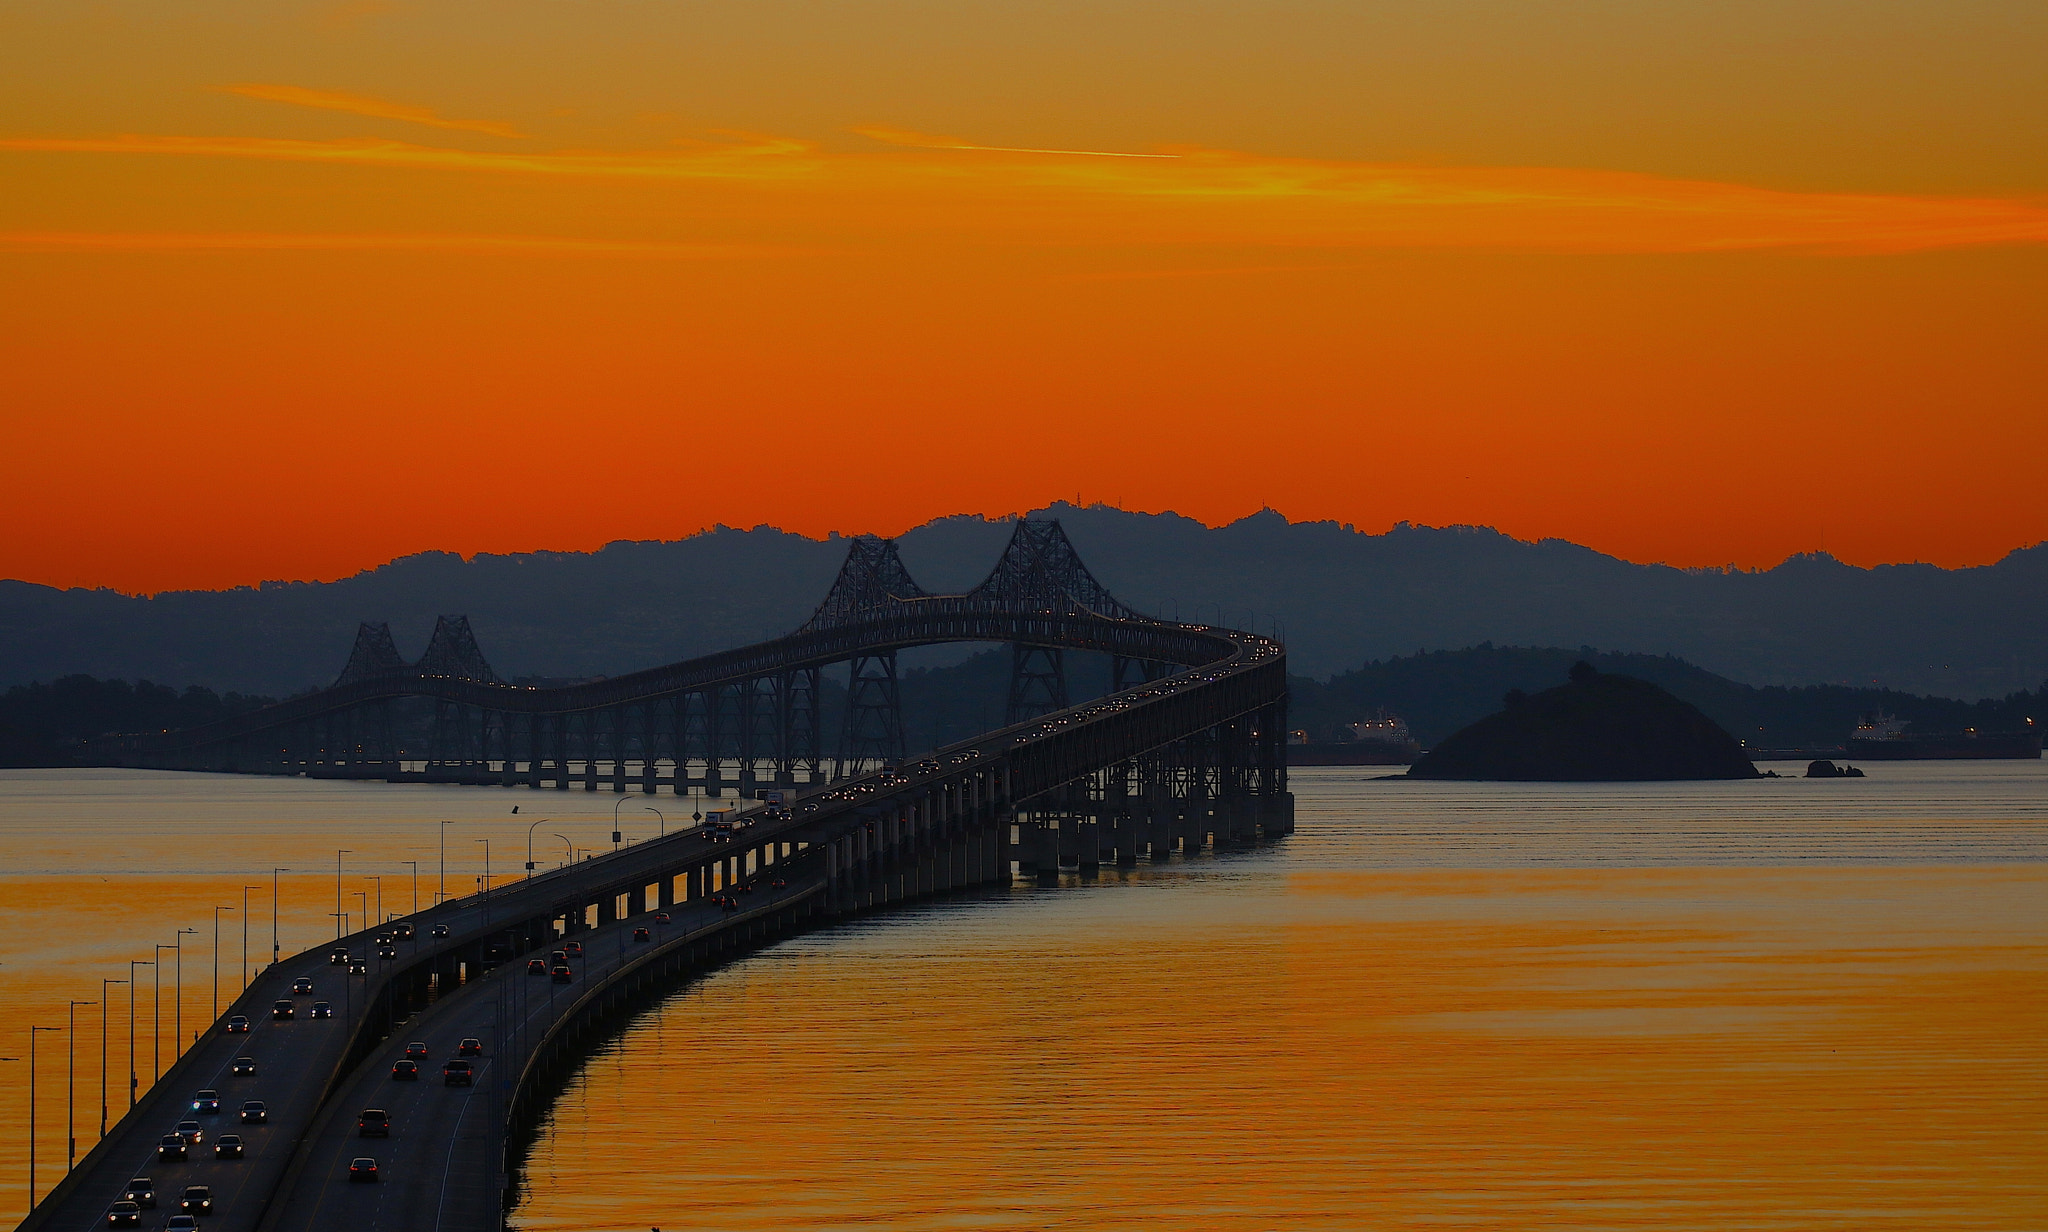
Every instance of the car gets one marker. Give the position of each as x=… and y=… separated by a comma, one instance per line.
x=281, y=1011
x=191, y=1133
x=362, y=1168
x=405, y=1071
x=439, y=930
x=255, y=1112
x=142, y=1192
x=778, y=884
x=381, y=939
x=124, y=1214
x=373, y=1123
x=238, y=1024
x=641, y=934
x=536, y=966
x=228, y=1146
x=323, y=1009
x=402, y=931
x=182, y=1223
x=557, y=956
x=336, y=957
x=661, y=917
x=418, y=1050
x=196, y=1200
x=457, y=1074
x=387, y=952
x=170, y=1147
x=573, y=949
x=562, y=974
x=302, y=987
x=357, y=966
x=206, y=1101
x=470, y=1046
x=244, y=1067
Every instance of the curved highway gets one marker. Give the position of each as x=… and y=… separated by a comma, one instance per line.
x=439, y=1168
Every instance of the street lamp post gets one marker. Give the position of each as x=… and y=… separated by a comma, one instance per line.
x=415, y=884
x=156, y=1036
x=104, y=986
x=337, y=890
x=275, y=953
x=216, y=959
x=487, y=881
x=379, y=879
x=178, y=995
x=245, y=935
x=566, y=843
x=133, y=1079
x=663, y=816
x=529, y=844
x=71, y=1088
x=32, y=1112
x=441, y=890
x=615, y=822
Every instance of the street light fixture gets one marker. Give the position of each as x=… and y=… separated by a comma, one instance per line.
x=178, y=994
x=441, y=891
x=529, y=844
x=156, y=1038
x=337, y=888
x=133, y=1079
x=104, y=986
x=379, y=879
x=245, y=935
x=275, y=953
x=663, y=816
x=415, y=884
x=615, y=822
x=487, y=881
x=216, y=959
x=32, y=1113
x=71, y=1087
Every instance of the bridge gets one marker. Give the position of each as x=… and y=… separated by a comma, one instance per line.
x=1186, y=755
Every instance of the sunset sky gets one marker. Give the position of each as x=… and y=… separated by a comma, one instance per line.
x=291, y=287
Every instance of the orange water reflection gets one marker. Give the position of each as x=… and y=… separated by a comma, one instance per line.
x=1614, y=1048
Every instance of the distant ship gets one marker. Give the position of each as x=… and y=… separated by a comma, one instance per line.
x=1382, y=740
x=1883, y=737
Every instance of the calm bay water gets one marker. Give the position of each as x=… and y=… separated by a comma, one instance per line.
x=1785, y=1004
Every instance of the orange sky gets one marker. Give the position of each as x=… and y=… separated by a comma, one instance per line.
x=291, y=288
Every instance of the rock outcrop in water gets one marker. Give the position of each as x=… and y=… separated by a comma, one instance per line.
x=1829, y=770
x=1596, y=728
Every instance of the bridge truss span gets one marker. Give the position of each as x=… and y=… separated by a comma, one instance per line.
x=1187, y=755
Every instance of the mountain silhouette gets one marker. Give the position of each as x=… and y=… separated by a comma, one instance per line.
x=1340, y=596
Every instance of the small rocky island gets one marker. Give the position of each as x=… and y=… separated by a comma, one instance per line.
x=1595, y=728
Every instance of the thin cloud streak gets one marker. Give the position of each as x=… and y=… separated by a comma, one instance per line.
x=364, y=105
x=1206, y=197
x=230, y=241
x=899, y=136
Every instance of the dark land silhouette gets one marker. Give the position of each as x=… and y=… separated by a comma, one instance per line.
x=1442, y=691
x=1593, y=728
x=1341, y=598
x=1437, y=693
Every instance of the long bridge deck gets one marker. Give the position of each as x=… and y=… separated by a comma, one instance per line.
x=1174, y=764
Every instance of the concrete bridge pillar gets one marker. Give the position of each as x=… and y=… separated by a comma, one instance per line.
x=1088, y=846
x=1046, y=857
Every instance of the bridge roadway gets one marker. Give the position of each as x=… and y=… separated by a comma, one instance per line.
x=299, y=1060
x=861, y=843
x=438, y=1171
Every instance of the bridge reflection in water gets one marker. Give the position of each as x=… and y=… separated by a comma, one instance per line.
x=1186, y=754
